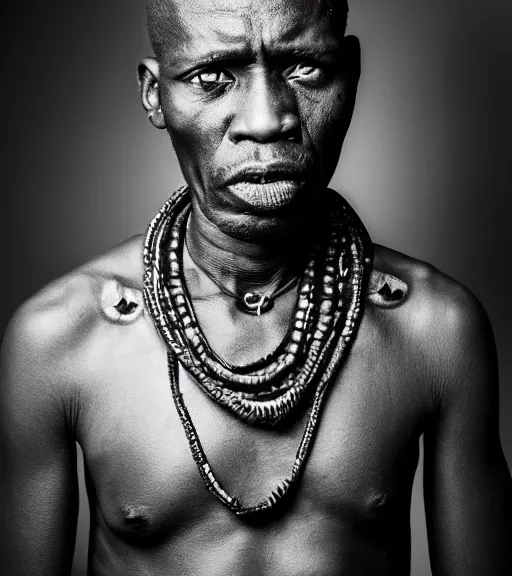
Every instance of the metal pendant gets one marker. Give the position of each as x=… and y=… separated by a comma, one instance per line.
x=255, y=303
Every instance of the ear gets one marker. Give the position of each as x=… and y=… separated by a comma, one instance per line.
x=350, y=68
x=352, y=62
x=149, y=75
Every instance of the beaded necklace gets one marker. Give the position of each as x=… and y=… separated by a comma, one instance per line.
x=326, y=318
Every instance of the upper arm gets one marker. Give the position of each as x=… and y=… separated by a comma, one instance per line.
x=468, y=490
x=38, y=480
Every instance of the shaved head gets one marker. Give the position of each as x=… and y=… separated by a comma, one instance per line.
x=161, y=16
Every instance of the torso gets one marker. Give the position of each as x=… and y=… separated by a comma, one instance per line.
x=150, y=511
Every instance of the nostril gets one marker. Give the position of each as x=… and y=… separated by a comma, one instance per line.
x=291, y=128
x=293, y=138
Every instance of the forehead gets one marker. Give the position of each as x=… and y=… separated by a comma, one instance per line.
x=201, y=27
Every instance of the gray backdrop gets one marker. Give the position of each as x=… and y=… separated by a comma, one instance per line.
x=426, y=164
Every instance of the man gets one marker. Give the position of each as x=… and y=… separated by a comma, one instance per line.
x=257, y=97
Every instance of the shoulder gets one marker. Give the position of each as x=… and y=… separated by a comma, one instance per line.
x=441, y=322
x=435, y=302
x=50, y=326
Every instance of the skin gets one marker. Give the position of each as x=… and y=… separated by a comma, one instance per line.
x=426, y=366
x=285, y=90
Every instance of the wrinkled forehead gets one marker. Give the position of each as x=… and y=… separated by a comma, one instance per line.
x=190, y=27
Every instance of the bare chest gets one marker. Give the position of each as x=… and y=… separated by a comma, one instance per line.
x=145, y=480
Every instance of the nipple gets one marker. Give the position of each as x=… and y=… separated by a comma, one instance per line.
x=136, y=517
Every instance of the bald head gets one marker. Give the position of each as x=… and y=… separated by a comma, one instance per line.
x=162, y=16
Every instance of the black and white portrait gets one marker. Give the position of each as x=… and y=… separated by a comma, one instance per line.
x=255, y=302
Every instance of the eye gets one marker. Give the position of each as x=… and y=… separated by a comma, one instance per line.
x=306, y=73
x=208, y=81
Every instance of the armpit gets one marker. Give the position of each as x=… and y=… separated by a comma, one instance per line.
x=385, y=290
x=120, y=304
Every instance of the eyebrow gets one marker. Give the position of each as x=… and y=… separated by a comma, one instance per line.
x=245, y=53
x=191, y=61
x=327, y=50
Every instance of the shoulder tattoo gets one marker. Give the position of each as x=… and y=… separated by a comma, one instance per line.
x=385, y=290
x=120, y=304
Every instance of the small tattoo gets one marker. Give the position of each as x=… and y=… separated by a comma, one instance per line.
x=386, y=290
x=120, y=304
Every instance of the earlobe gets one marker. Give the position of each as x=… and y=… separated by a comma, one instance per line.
x=149, y=74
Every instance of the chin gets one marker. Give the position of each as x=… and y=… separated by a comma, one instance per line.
x=242, y=221
x=256, y=228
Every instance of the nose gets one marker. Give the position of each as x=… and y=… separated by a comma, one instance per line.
x=266, y=112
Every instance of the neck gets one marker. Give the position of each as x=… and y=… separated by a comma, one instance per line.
x=240, y=266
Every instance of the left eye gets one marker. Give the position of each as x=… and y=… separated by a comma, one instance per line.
x=305, y=73
x=208, y=81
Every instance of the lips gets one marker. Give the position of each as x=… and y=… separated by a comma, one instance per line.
x=267, y=187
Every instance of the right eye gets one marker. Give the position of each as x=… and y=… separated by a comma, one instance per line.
x=208, y=81
x=306, y=74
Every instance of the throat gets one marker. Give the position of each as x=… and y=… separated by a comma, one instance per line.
x=252, y=273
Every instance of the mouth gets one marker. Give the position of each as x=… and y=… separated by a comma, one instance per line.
x=267, y=187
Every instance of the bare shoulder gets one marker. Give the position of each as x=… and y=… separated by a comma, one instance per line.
x=439, y=320
x=60, y=318
x=435, y=302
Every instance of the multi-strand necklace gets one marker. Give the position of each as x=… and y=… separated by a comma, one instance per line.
x=325, y=321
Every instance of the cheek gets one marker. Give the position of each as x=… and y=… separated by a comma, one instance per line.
x=325, y=126
x=322, y=117
x=195, y=127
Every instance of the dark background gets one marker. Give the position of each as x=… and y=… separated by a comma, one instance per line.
x=427, y=162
